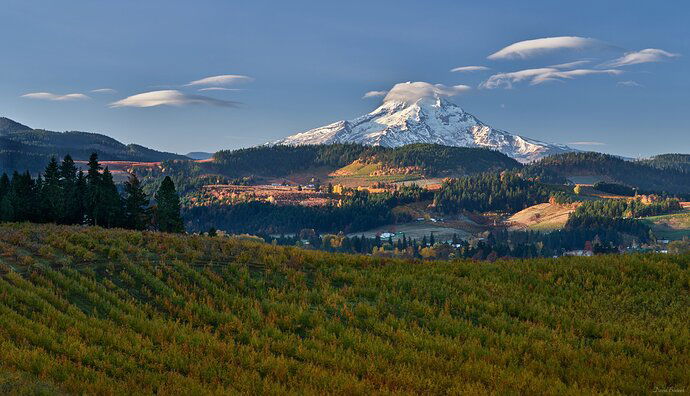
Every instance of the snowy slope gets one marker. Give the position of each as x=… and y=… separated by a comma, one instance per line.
x=427, y=119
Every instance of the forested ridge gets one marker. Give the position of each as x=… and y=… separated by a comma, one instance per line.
x=645, y=176
x=25, y=149
x=95, y=311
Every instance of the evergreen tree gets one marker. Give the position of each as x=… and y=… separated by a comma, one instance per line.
x=168, y=217
x=51, y=193
x=4, y=185
x=70, y=202
x=111, y=202
x=80, y=193
x=93, y=200
x=6, y=210
x=136, y=204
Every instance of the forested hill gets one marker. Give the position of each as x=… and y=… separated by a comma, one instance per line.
x=643, y=175
x=23, y=148
x=11, y=126
x=432, y=159
x=679, y=162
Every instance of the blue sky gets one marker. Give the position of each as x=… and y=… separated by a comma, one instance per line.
x=310, y=63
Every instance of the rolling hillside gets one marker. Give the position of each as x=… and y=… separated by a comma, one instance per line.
x=23, y=148
x=87, y=310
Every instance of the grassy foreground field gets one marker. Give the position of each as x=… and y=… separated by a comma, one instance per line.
x=88, y=310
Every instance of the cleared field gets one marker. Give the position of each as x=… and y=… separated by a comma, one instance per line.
x=92, y=311
x=418, y=230
x=541, y=217
x=673, y=226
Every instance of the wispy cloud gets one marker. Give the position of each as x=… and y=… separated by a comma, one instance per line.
x=463, y=69
x=170, y=97
x=629, y=83
x=103, y=90
x=643, y=56
x=539, y=76
x=224, y=79
x=528, y=48
x=54, y=97
x=506, y=80
x=586, y=143
x=373, y=94
x=571, y=65
x=410, y=92
x=220, y=89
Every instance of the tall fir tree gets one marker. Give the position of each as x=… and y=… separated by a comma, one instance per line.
x=168, y=217
x=111, y=202
x=81, y=190
x=93, y=200
x=69, y=204
x=136, y=212
x=6, y=210
x=50, y=193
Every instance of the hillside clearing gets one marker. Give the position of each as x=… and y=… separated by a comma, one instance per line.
x=541, y=217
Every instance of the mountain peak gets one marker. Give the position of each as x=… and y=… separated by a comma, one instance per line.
x=419, y=112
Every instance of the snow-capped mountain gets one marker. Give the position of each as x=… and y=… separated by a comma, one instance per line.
x=425, y=119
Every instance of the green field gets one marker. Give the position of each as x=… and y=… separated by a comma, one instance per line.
x=673, y=226
x=88, y=310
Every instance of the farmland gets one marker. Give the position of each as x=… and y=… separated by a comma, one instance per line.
x=89, y=310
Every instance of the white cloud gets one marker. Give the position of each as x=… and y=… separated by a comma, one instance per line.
x=528, y=48
x=586, y=143
x=470, y=68
x=220, y=89
x=539, y=76
x=411, y=92
x=103, y=90
x=571, y=65
x=570, y=74
x=169, y=97
x=643, y=56
x=629, y=83
x=224, y=79
x=52, y=96
x=372, y=94
x=506, y=80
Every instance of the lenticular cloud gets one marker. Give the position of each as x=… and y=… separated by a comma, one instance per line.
x=529, y=48
x=410, y=92
x=169, y=97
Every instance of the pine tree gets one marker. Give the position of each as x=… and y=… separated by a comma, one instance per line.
x=70, y=202
x=6, y=210
x=51, y=193
x=93, y=203
x=80, y=194
x=4, y=185
x=168, y=217
x=136, y=205
x=112, y=202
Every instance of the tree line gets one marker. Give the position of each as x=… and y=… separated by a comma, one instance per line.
x=64, y=194
x=506, y=192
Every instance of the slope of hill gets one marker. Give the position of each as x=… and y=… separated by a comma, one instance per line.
x=679, y=162
x=10, y=126
x=429, y=119
x=631, y=173
x=93, y=311
x=23, y=148
x=281, y=161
